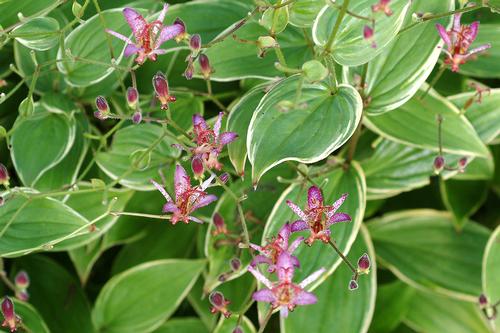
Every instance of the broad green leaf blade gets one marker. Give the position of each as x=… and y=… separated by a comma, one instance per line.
x=396, y=74
x=487, y=64
x=233, y=60
x=40, y=142
x=313, y=128
x=84, y=258
x=484, y=116
x=56, y=295
x=39, y=33
x=30, y=317
x=415, y=124
x=392, y=304
x=11, y=8
x=182, y=325
x=228, y=325
x=349, y=47
x=238, y=121
x=433, y=313
x=339, y=309
x=491, y=270
x=36, y=224
x=303, y=12
x=118, y=161
x=463, y=198
x=140, y=300
x=351, y=181
x=422, y=248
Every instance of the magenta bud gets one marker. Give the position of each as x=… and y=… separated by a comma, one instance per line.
x=132, y=97
x=188, y=73
x=4, y=175
x=22, y=295
x=197, y=166
x=195, y=43
x=160, y=85
x=102, y=104
x=10, y=318
x=137, y=117
x=237, y=329
x=364, y=264
x=205, y=66
x=483, y=301
x=22, y=280
x=218, y=221
x=438, y=164
x=222, y=278
x=353, y=285
x=224, y=177
x=367, y=32
x=235, y=264
x=216, y=299
x=462, y=163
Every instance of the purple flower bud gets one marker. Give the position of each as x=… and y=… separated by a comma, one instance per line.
x=216, y=299
x=132, y=97
x=235, y=264
x=137, y=117
x=353, y=285
x=224, y=177
x=10, y=318
x=99, y=115
x=218, y=221
x=205, y=66
x=364, y=264
x=438, y=164
x=22, y=280
x=4, y=175
x=462, y=163
x=197, y=166
x=222, y=278
x=102, y=104
x=188, y=73
x=237, y=329
x=483, y=301
x=368, y=33
x=195, y=43
x=160, y=85
x=22, y=295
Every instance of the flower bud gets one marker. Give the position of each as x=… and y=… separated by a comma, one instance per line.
x=237, y=329
x=22, y=280
x=132, y=97
x=102, y=104
x=368, y=34
x=205, y=66
x=364, y=264
x=182, y=35
x=462, y=163
x=137, y=117
x=220, y=226
x=264, y=43
x=99, y=115
x=188, y=73
x=224, y=177
x=197, y=166
x=483, y=301
x=195, y=43
x=4, y=175
x=219, y=303
x=235, y=264
x=22, y=295
x=353, y=285
x=314, y=71
x=10, y=318
x=160, y=85
x=438, y=164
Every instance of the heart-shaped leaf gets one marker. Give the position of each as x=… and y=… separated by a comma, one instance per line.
x=349, y=48
x=311, y=126
x=415, y=124
x=39, y=33
x=139, y=300
x=422, y=248
x=353, y=309
x=491, y=270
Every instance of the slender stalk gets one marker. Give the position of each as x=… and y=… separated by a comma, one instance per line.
x=336, y=27
x=348, y=12
x=344, y=258
x=265, y=321
x=149, y=216
x=235, y=27
x=434, y=81
x=8, y=283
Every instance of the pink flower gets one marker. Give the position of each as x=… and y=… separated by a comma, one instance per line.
x=458, y=40
x=11, y=320
x=187, y=198
x=284, y=294
x=148, y=36
x=270, y=253
x=317, y=218
x=382, y=6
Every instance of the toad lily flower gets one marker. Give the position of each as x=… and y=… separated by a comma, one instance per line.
x=148, y=36
x=187, y=198
x=458, y=41
x=284, y=294
x=270, y=253
x=312, y=218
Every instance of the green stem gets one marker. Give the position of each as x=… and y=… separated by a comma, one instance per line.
x=434, y=81
x=235, y=27
x=351, y=267
x=265, y=321
x=331, y=39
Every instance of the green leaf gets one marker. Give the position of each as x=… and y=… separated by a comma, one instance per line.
x=463, y=198
x=229, y=324
x=396, y=74
x=351, y=181
x=392, y=304
x=30, y=317
x=433, y=313
x=422, y=248
x=39, y=33
x=139, y=300
x=478, y=169
x=11, y=8
x=40, y=142
x=56, y=295
x=84, y=258
x=415, y=124
x=491, y=270
x=349, y=47
x=238, y=121
x=182, y=325
x=275, y=20
x=483, y=116
x=303, y=12
x=117, y=162
x=487, y=64
x=353, y=309
x=32, y=225
x=313, y=128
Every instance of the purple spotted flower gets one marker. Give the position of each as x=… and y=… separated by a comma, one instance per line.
x=458, y=40
x=285, y=294
x=187, y=198
x=148, y=36
x=317, y=218
x=270, y=252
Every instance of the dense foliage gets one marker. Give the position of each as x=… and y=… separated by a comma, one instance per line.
x=250, y=166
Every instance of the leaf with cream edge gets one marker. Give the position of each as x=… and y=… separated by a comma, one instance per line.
x=422, y=248
x=491, y=270
x=139, y=300
x=415, y=124
x=304, y=12
x=484, y=116
x=39, y=33
x=396, y=74
x=319, y=123
x=238, y=121
x=353, y=309
x=349, y=47
x=10, y=9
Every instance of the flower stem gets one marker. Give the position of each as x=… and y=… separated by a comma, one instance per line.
x=348, y=12
x=8, y=283
x=235, y=27
x=344, y=258
x=434, y=81
x=149, y=216
x=353, y=142
x=265, y=321
x=343, y=11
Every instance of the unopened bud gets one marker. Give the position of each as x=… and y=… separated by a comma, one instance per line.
x=4, y=175
x=368, y=33
x=462, y=163
x=235, y=264
x=219, y=303
x=22, y=280
x=224, y=177
x=483, y=301
x=220, y=226
x=206, y=70
x=137, y=117
x=99, y=115
x=102, y=104
x=264, y=43
x=195, y=43
x=364, y=264
x=314, y=71
x=11, y=320
x=438, y=164
x=353, y=285
x=160, y=85
x=197, y=166
x=22, y=295
x=132, y=97
x=188, y=73
x=237, y=329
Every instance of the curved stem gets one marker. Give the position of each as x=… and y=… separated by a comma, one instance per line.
x=343, y=11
